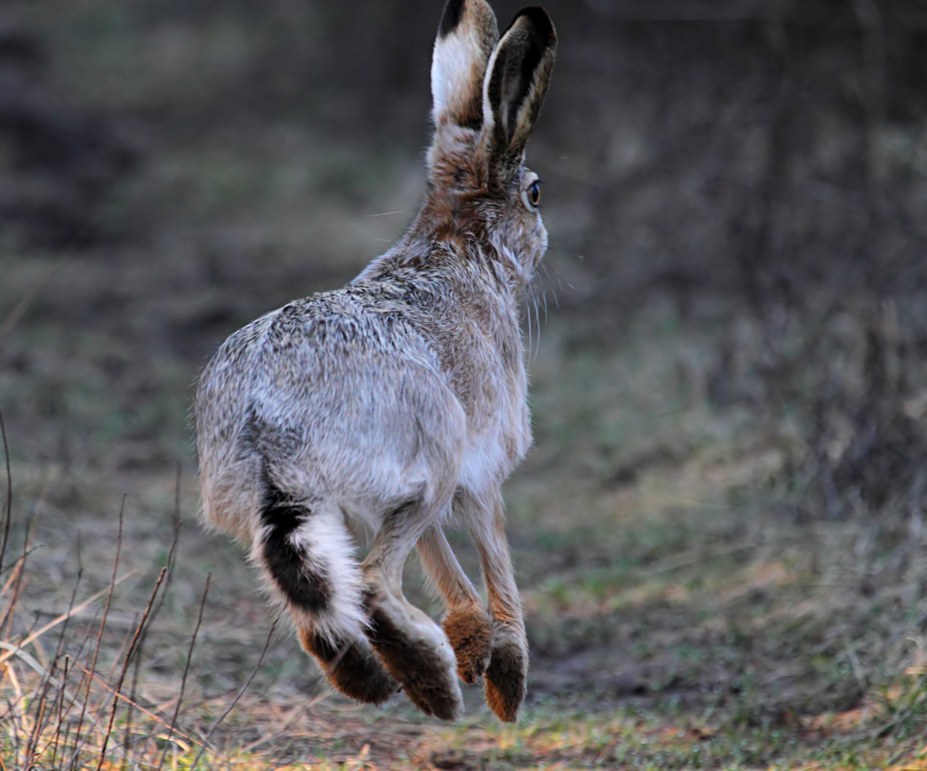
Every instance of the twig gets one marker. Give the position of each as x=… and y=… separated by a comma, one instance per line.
x=33, y=741
x=48, y=679
x=167, y=583
x=61, y=694
x=8, y=504
x=59, y=619
x=146, y=712
x=15, y=569
x=128, y=658
x=238, y=696
x=282, y=728
x=17, y=580
x=99, y=640
x=133, y=695
x=186, y=670
x=16, y=716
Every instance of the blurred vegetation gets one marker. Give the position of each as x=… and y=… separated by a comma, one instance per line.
x=720, y=533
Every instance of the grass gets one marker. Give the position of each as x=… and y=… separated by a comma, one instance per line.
x=679, y=618
x=684, y=610
x=691, y=601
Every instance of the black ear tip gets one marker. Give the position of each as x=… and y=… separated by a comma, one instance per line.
x=453, y=13
x=539, y=22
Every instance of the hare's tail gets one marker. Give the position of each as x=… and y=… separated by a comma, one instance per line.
x=306, y=553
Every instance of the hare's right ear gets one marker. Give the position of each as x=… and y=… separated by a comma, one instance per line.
x=466, y=38
x=517, y=81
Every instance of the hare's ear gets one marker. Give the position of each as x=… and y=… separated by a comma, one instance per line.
x=517, y=79
x=466, y=38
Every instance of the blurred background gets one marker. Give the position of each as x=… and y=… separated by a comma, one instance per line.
x=725, y=505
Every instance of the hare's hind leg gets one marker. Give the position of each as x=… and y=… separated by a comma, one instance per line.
x=413, y=647
x=350, y=666
x=467, y=623
x=506, y=676
x=306, y=554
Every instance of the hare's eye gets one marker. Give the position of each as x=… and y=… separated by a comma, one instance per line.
x=533, y=194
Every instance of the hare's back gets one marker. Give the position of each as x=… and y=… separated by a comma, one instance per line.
x=345, y=395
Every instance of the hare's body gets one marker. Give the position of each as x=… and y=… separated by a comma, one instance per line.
x=397, y=401
x=359, y=401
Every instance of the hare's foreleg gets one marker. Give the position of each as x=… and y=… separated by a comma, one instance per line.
x=507, y=674
x=306, y=554
x=414, y=649
x=466, y=624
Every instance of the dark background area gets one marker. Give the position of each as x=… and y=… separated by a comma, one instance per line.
x=732, y=313
x=760, y=160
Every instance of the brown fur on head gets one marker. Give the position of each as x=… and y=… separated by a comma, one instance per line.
x=487, y=93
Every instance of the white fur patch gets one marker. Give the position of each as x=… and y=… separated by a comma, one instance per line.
x=455, y=69
x=483, y=461
x=325, y=536
x=488, y=117
x=329, y=549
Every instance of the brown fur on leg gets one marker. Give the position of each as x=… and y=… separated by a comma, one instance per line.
x=470, y=632
x=351, y=668
x=424, y=675
x=506, y=680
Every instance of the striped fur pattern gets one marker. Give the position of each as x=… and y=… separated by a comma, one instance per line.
x=398, y=404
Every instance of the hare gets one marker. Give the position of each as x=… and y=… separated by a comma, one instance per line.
x=399, y=403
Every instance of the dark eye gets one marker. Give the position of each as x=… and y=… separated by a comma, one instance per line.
x=534, y=193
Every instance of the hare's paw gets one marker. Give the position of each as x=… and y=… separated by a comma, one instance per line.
x=506, y=676
x=470, y=632
x=416, y=652
x=351, y=668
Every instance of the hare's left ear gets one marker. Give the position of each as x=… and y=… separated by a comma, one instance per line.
x=517, y=80
x=466, y=38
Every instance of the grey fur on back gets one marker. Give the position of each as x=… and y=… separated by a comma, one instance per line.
x=397, y=399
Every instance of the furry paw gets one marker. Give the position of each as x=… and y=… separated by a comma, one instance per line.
x=417, y=654
x=470, y=632
x=351, y=668
x=507, y=675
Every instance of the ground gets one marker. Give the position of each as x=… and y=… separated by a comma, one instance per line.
x=692, y=600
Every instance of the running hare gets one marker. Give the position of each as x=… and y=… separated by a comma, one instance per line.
x=399, y=402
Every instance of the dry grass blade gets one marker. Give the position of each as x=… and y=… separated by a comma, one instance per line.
x=56, y=738
x=17, y=651
x=186, y=670
x=8, y=503
x=17, y=583
x=99, y=680
x=61, y=618
x=175, y=541
x=106, y=607
x=15, y=569
x=241, y=692
x=128, y=658
x=37, y=726
x=49, y=680
x=282, y=728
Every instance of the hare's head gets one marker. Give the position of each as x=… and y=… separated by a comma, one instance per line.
x=487, y=94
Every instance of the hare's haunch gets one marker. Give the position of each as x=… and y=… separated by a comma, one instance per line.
x=399, y=402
